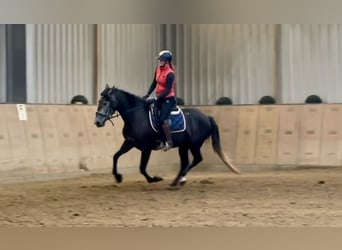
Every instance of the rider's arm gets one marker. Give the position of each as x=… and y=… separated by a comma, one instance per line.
x=153, y=85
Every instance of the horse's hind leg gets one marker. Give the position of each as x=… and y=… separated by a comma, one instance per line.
x=125, y=147
x=196, y=152
x=183, y=154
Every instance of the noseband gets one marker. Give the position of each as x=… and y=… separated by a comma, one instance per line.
x=107, y=116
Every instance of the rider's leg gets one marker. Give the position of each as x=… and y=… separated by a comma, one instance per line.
x=165, y=109
x=167, y=133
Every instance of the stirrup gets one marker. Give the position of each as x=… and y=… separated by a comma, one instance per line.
x=168, y=146
x=160, y=146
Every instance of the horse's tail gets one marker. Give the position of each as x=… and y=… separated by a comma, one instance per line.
x=216, y=142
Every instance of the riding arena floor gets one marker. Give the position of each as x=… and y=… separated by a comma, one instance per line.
x=277, y=197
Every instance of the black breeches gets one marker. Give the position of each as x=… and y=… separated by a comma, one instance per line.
x=165, y=106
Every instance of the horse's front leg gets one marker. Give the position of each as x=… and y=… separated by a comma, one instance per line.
x=125, y=147
x=145, y=156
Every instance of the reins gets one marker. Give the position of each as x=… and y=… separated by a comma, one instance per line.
x=118, y=114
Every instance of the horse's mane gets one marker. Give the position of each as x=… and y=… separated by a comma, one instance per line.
x=132, y=98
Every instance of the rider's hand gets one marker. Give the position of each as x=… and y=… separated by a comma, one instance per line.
x=151, y=99
x=145, y=96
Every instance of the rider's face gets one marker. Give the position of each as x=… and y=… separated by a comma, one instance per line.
x=161, y=62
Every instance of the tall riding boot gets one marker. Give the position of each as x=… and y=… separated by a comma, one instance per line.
x=167, y=133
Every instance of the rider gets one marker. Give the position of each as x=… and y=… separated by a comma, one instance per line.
x=164, y=81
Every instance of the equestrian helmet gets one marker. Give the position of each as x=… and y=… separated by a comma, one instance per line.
x=165, y=55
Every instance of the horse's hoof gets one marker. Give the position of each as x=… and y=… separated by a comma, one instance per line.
x=118, y=178
x=182, y=181
x=177, y=182
x=155, y=179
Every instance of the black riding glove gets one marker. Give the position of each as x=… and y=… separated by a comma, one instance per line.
x=145, y=96
x=151, y=100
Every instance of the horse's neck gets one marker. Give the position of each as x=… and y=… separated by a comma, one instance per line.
x=129, y=109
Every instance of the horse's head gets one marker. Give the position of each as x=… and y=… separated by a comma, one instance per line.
x=106, y=107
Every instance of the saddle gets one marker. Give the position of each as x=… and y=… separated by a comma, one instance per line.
x=176, y=119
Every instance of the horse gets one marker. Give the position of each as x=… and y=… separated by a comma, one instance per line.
x=139, y=133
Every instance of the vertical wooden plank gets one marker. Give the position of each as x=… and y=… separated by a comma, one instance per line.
x=6, y=157
x=48, y=119
x=288, y=136
x=36, y=157
x=246, y=139
x=331, y=144
x=310, y=134
x=267, y=133
x=77, y=117
x=69, y=151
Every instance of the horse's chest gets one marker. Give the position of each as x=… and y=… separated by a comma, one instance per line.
x=133, y=134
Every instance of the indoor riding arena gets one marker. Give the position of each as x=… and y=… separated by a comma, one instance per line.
x=273, y=89
x=56, y=171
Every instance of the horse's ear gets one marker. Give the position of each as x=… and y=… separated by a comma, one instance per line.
x=105, y=90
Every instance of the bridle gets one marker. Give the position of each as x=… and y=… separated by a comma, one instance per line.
x=116, y=114
x=107, y=116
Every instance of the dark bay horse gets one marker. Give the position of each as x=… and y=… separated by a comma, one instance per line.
x=138, y=133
